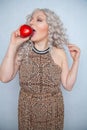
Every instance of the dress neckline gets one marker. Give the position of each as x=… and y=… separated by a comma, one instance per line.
x=40, y=52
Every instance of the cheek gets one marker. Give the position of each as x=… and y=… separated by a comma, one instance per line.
x=44, y=29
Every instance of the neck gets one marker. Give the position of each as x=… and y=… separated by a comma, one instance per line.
x=41, y=46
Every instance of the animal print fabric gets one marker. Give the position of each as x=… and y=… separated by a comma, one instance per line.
x=40, y=99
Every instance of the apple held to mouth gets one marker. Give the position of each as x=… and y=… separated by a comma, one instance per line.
x=25, y=31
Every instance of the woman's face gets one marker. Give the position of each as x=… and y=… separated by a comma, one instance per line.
x=40, y=27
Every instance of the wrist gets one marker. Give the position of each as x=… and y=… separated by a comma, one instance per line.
x=76, y=61
x=12, y=49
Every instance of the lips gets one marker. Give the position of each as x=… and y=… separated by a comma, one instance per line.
x=34, y=31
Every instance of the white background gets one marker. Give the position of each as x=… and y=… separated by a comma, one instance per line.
x=73, y=13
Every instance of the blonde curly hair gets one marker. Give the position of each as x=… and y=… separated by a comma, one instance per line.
x=56, y=33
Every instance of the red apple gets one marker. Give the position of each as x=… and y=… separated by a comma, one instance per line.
x=25, y=31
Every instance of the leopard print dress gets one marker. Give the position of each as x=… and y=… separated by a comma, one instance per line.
x=40, y=99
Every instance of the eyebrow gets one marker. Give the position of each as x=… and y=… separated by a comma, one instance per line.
x=38, y=16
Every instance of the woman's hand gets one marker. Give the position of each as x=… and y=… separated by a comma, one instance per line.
x=16, y=40
x=74, y=52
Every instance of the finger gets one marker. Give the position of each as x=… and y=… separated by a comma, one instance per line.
x=17, y=33
x=74, y=47
x=71, y=45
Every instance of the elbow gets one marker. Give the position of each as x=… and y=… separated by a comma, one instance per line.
x=68, y=87
x=5, y=79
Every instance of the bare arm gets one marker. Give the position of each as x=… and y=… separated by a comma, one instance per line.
x=9, y=67
x=69, y=75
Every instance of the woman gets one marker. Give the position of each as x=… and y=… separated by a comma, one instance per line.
x=43, y=67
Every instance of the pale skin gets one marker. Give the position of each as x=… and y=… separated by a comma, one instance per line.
x=10, y=67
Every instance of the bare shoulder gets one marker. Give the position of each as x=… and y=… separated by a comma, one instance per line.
x=58, y=55
x=59, y=52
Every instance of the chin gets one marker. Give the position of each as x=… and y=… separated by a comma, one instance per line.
x=33, y=39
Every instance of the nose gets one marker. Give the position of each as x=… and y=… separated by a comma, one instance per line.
x=32, y=22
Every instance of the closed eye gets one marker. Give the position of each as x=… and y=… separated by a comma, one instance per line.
x=39, y=20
